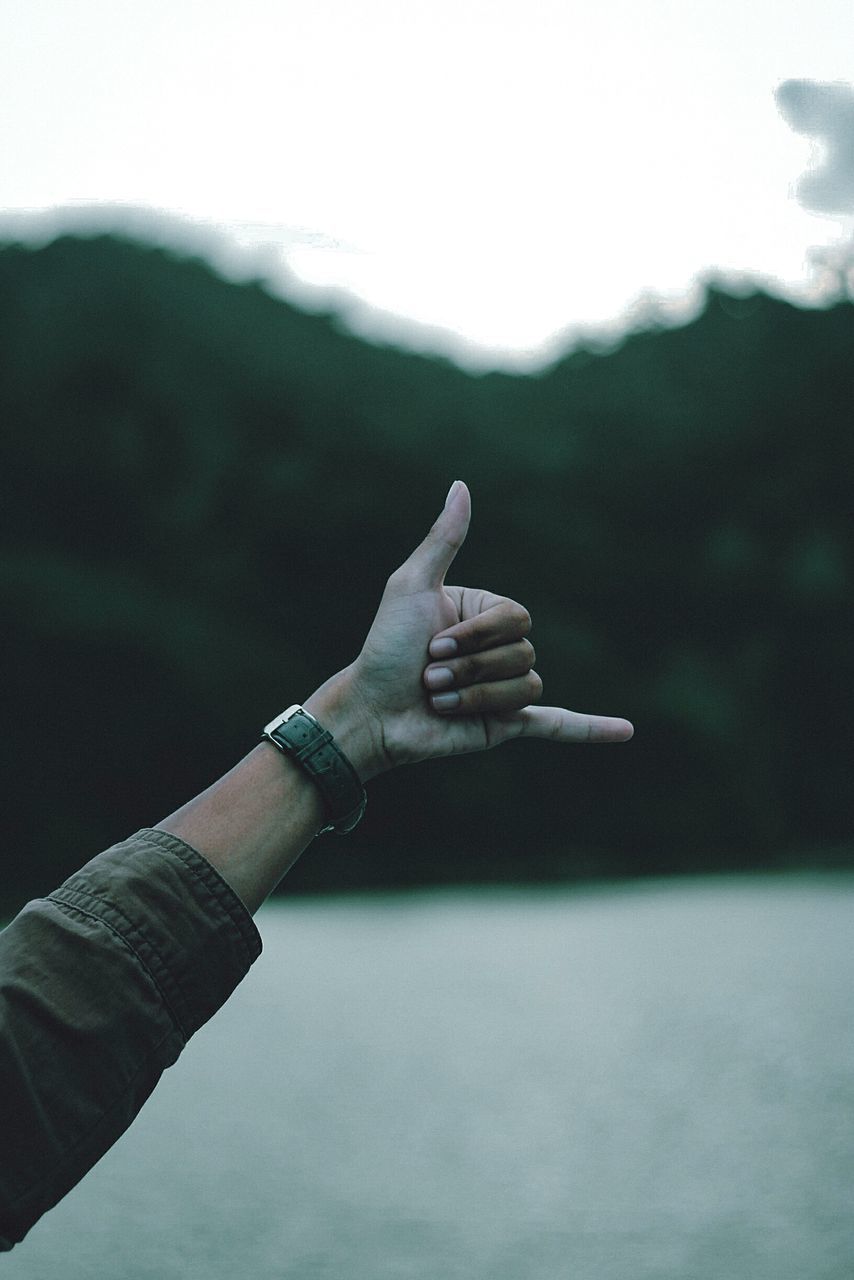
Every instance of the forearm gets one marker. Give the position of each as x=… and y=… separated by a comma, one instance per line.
x=254, y=823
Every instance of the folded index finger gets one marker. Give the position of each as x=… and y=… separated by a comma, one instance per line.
x=501, y=623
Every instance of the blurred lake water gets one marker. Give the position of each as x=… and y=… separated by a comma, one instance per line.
x=637, y=1082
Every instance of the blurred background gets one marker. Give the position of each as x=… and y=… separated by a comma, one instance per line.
x=271, y=277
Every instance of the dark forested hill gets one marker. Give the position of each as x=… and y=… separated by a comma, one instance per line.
x=205, y=488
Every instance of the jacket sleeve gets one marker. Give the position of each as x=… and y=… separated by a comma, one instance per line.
x=102, y=984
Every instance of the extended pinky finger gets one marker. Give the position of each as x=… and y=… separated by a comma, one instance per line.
x=561, y=725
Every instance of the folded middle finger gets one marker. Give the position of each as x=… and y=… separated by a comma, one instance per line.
x=503, y=663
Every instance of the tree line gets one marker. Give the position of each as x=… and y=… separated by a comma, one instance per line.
x=205, y=489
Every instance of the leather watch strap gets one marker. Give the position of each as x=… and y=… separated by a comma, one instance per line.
x=296, y=733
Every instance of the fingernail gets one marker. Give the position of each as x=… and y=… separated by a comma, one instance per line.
x=452, y=491
x=446, y=701
x=439, y=678
x=444, y=648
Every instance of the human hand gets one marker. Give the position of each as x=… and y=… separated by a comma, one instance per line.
x=395, y=704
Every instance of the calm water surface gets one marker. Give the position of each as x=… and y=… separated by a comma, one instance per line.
x=637, y=1083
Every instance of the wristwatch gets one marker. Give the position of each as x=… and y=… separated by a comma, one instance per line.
x=297, y=734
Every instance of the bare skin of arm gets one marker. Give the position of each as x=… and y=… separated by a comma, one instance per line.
x=444, y=670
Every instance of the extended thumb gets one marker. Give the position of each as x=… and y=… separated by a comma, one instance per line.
x=431, y=560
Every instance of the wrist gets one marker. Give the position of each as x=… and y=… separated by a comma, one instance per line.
x=338, y=707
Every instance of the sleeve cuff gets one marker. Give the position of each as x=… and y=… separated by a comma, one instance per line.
x=173, y=909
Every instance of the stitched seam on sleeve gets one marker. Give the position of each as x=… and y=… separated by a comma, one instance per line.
x=63, y=899
x=214, y=883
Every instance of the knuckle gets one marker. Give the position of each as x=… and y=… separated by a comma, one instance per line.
x=529, y=653
x=523, y=619
x=535, y=685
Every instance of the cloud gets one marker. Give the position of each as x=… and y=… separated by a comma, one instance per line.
x=825, y=111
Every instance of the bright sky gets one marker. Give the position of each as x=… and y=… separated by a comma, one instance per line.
x=503, y=174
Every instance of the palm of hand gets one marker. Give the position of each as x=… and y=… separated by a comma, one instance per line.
x=389, y=674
